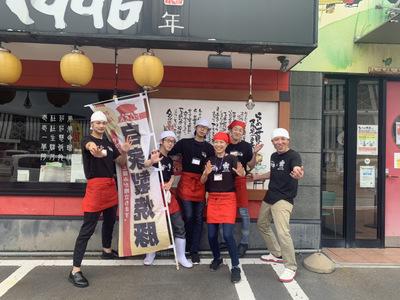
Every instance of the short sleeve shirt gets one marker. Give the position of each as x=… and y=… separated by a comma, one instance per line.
x=99, y=167
x=242, y=150
x=222, y=178
x=194, y=154
x=281, y=185
x=167, y=167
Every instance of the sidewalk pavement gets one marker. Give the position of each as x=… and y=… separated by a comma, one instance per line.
x=346, y=257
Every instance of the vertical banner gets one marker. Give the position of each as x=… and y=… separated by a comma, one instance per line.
x=143, y=224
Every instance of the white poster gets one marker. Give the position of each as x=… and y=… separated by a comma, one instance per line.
x=367, y=177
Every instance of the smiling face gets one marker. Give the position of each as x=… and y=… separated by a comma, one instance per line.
x=99, y=127
x=219, y=147
x=236, y=134
x=281, y=144
x=168, y=143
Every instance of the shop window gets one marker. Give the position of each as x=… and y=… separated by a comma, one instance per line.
x=40, y=134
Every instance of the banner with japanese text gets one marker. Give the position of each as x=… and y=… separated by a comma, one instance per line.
x=143, y=226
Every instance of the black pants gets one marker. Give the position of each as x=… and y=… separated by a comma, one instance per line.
x=90, y=220
x=193, y=217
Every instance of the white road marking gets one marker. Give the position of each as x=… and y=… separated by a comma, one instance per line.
x=13, y=279
x=243, y=288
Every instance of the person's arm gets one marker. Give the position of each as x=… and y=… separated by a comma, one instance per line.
x=297, y=167
x=95, y=150
x=256, y=176
x=177, y=149
x=207, y=171
x=123, y=157
x=154, y=158
x=239, y=170
x=168, y=185
x=252, y=163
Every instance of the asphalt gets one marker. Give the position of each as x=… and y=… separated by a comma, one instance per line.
x=131, y=280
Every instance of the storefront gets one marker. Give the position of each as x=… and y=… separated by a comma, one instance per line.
x=42, y=118
x=356, y=65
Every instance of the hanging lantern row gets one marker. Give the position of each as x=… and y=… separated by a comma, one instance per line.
x=77, y=69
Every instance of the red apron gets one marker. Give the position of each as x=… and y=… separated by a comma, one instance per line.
x=241, y=191
x=173, y=206
x=190, y=188
x=101, y=193
x=221, y=208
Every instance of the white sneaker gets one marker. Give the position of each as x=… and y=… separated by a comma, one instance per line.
x=149, y=259
x=287, y=275
x=271, y=258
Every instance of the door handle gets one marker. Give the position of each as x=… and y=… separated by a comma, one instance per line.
x=390, y=176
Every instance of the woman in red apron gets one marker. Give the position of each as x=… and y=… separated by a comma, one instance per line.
x=190, y=191
x=167, y=141
x=219, y=177
x=99, y=156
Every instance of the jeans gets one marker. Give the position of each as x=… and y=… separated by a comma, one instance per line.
x=193, y=217
x=227, y=230
x=244, y=214
x=90, y=220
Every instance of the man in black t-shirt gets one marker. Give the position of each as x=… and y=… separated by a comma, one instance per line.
x=286, y=169
x=99, y=156
x=247, y=157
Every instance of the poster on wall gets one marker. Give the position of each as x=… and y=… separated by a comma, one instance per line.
x=367, y=177
x=181, y=117
x=367, y=139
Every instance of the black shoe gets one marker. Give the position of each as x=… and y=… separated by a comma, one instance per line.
x=112, y=255
x=235, y=275
x=222, y=246
x=215, y=264
x=242, y=248
x=195, y=258
x=78, y=279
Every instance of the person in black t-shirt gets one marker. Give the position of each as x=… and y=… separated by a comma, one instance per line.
x=99, y=156
x=190, y=191
x=247, y=157
x=167, y=141
x=219, y=176
x=286, y=170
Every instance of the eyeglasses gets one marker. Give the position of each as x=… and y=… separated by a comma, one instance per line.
x=172, y=141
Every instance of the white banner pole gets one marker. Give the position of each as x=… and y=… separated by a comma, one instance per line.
x=162, y=182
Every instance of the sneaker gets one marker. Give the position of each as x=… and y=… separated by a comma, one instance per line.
x=112, y=255
x=149, y=259
x=242, y=248
x=235, y=275
x=271, y=258
x=78, y=279
x=287, y=275
x=195, y=258
x=215, y=264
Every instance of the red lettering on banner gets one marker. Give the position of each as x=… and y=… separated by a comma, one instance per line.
x=126, y=195
x=174, y=2
x=127, y=117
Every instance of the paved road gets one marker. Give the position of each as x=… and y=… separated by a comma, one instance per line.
x=46, y=278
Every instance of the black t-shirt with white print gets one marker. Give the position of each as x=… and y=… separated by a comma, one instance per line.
x=281, y=185
x=222, y=178
x=194, y=154
x=242, y=150
x=99, y=167
x=166, y=167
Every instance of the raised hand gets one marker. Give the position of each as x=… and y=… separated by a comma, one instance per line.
x=96, y=151
x=155, y=156
x=125, y=147
x=297, y=172
x=258, y=147
x=240, y=171
x=208, y=168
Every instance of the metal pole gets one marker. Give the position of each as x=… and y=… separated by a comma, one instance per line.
x=162, y=182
